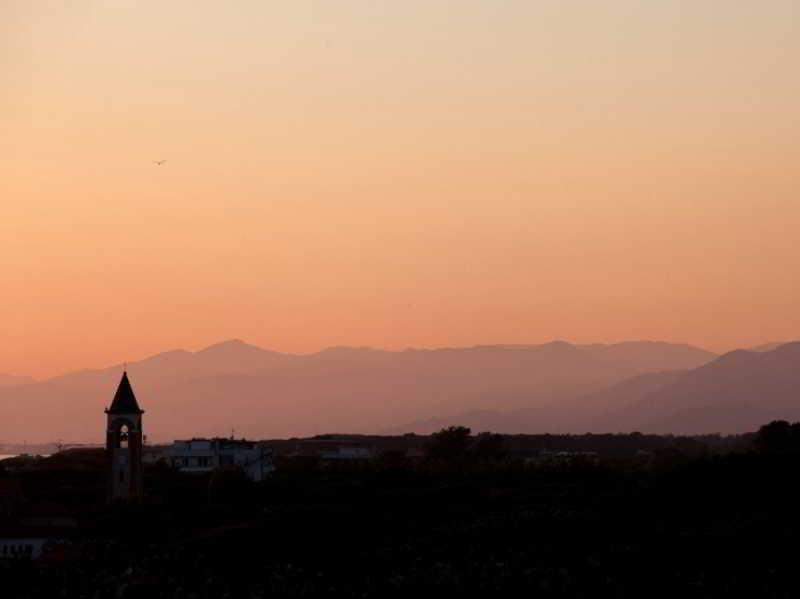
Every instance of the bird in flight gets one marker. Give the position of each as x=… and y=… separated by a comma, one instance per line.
x=159, y=162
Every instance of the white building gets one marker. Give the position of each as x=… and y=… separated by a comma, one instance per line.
x=204, y=455
x=32, y=542
x=22, y=547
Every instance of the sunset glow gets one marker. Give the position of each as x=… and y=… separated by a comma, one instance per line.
x=394, y=174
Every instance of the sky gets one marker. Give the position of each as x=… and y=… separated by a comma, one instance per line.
x=421, y=173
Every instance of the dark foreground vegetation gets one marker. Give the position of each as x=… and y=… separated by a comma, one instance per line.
x=469, y=518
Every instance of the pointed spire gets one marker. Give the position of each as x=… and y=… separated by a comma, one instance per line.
x=124, y=399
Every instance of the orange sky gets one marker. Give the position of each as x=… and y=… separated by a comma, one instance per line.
x=416, y=173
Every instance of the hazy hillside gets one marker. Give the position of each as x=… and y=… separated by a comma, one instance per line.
x=736, y=392
x=593, y=412
x=11, y=380
x=766, y=346
x=262, y=393
x=555, y=387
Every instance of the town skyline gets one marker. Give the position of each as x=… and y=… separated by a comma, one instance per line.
x=356, y=298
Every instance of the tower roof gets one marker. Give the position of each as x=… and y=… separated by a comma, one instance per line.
x=124, y=399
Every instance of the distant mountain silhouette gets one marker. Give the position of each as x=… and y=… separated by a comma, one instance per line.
x=737, y=392
x=592, y=412
x=766, y=346
x=263, y=393
x=12, y=380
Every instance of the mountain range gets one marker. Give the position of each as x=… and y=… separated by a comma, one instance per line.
x=11, y=380
x=554, y=387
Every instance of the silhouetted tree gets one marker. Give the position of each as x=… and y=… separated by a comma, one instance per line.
x=490, y=447
x=393, y=460
x=449, y=444
x=666, y=458
x=691, y=448
x=778, y=436
x=229, y=485
x=297, y=464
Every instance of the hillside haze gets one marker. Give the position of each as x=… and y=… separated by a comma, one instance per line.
x=11, y=380
x=734, y=393
x=261, y=393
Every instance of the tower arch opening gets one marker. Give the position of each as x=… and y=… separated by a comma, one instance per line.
x=123, y=435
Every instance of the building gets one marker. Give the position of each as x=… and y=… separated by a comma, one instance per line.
x=204, y=455
x=37, y=531
x=25, y=542
x=344, y=452
x=124, y=440
x=34, y=538
x=334, y=448
x=560, y=458
x=152, y=454
x=10, y=496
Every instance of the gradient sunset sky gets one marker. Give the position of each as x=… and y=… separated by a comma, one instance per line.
x=405, y=173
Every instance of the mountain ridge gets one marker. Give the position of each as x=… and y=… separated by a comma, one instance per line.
x=265, y=393
x=13, y=380
x=552, y=387
x=734, y=393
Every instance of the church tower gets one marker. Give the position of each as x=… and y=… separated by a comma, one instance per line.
x=124, y=444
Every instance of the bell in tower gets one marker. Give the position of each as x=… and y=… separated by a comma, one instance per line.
x=124, y=445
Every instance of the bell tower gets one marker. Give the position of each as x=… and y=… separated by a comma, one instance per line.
x=124, y=444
